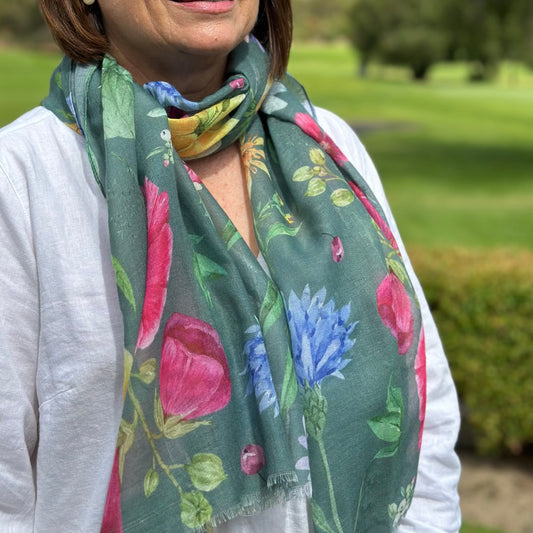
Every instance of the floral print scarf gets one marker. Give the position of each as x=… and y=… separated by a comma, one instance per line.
x=247, y=385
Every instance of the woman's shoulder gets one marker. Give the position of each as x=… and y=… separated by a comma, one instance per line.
x=39, y=154
x=35, y=145
x=39, y=127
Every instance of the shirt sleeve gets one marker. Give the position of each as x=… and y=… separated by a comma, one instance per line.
x=435, y=504
x=19, y=336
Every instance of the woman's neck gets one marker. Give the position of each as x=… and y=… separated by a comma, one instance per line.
x=195, y=77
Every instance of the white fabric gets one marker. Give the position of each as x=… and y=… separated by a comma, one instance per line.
x=61, y=362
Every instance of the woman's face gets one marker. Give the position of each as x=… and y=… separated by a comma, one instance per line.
x=151, y=35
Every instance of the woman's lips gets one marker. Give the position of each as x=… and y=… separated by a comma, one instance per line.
x=207, y=6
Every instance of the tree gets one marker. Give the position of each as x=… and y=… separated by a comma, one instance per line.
x=484, y=32
x=22, y=21
x=319, y=20
x=417, y=33
x=407, y=33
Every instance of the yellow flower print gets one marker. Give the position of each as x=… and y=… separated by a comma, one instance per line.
x=196, y=135
x=252, y=156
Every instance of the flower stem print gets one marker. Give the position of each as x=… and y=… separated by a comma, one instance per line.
x=320, y=336
x=315, y=411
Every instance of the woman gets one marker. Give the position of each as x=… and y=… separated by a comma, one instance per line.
x=198, y=261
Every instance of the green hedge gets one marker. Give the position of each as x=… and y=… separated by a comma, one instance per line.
x=482, y=302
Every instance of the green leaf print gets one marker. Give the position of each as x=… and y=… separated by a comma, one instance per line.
x=319, y=518
x=159, y=416
x=175, y=427
x=206, y=471
x=317, y=156
x=303, y=174
x=316, y=186
x=123, y=283
x=342, y=197
x=271, y=308
x=117, y=102
x=398, y=268
x=195, y=509
x=278, y=228
x=394, y=400
x=206, y=270
x=386, y=427
x=126, y=437
x=289, y=390
x=230, y=235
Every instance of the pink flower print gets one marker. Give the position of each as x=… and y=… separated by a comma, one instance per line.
x=337, y=250
x=420, y=372
x=372, y=211
x=394, y=307
x=309, y=126
x=252, y=459
x=158, y=262
x=237, y=83
x=192, y=174
x=112, y=521
x=194, y=375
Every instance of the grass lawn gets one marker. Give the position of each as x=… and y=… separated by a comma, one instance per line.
x=456, y=158
x=469, y=528
x=24, y=81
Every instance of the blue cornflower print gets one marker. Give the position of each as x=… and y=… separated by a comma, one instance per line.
x=320, y=336
x=257, y=366
x=168, y=96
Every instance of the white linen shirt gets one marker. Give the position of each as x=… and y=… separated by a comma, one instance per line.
x=61, y=347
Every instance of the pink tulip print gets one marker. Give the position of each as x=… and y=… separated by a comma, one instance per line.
x=252, y=459
x=394, y=307
x=192, y=174
x=420, y=372
x=158, y=262
x=112, y=521
x=311, y=128
x=194, y=375
x=372, y=211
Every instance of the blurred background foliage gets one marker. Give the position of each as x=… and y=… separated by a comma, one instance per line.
x=441, y=92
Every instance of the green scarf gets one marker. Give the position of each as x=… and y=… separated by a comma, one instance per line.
x=248, y=386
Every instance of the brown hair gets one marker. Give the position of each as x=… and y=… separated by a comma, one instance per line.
x=78, y=30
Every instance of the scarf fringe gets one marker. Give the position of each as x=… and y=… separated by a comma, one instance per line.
x=259, y=501
x=284, y=478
